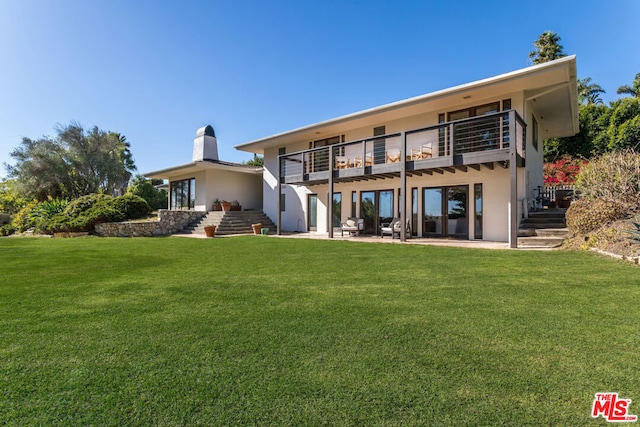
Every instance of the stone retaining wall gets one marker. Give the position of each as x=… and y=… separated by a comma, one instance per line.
x=169, y=222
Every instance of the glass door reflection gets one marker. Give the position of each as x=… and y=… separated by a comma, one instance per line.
x=432, y=212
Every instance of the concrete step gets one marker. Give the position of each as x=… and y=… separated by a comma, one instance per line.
x=540, y=242
x=543, y=219
x=539, y=225
x=234, y=222
x=552, y=232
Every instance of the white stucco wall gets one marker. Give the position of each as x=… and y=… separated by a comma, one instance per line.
x=496, y=182
x=228, y=185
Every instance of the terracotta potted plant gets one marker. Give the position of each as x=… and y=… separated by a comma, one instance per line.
x=210, y=230
x=235, y=206
x=257, y=228
x=216, y=205
x=226, y=206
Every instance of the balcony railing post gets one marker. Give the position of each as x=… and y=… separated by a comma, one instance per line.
x=450, y=148
x=513, y=172
x=403, y=187
x=330, y=204
x=279, y=187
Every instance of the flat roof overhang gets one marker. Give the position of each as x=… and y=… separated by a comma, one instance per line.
x=552, y=86
x=198, y=166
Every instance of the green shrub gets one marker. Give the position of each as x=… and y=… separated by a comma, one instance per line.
x=140, y=186
x=132, y=206
x=612, y=177
x=84, y=203
x=24, y=219
x=45, y=211
x=586, y=215
x=7, y=229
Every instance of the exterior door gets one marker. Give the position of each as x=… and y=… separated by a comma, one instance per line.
x=376, y=207
x=368, y=211
x=445, y=212
x=312, y=212
x=432, y=205
x=457, y=212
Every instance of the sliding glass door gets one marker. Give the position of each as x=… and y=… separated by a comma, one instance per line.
x=445, y=212
x=376, y=207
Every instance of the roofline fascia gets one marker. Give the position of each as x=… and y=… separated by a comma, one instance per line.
x=414, y=100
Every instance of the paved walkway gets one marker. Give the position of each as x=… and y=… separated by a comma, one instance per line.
x=376, y=239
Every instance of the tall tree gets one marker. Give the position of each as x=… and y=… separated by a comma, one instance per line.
x=633, y=90
x=589, y=92
x=547, y=48
x=74, y=163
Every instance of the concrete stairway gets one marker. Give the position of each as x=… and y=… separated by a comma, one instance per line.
x=543, y=229
x=234, y=222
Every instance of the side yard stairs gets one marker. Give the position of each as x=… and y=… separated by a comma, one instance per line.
x=233, y=222
x=543, y=229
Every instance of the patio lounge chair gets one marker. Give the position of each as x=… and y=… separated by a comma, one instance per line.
x=354, y=226
x=393, y=228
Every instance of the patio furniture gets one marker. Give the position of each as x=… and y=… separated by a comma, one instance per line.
x=342, y=162
x=423, y=152
x=393, y=155
x=368, y=159
x=355, y=162
x=393, y=228
x=353, y=226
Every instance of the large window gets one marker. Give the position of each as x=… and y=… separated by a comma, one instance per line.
x=183, y=194
x=312, y=212
x=337, y=209
x=478, y=211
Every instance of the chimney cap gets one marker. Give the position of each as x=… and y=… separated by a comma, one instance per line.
x=205, y=131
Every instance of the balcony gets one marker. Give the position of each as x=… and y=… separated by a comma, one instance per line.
x=445, y=147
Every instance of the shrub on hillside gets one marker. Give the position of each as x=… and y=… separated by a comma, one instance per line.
x=584, y=215
x=84, y=213
x=84, y=203
x=7, y=229
x=132, y=206
x=612, y=177
x=45, y=211
x=24, y=219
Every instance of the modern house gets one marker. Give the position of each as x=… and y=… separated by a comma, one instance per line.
x=196, y=185
x=463, y=162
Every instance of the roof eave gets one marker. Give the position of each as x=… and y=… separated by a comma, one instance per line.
x=257, y=146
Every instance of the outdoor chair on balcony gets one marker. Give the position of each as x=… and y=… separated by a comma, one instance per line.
x=355, y=162
x=393, y=155
x=342, y=162
x=423, y=152
x=394, y=227
x=368, y=159
x=353, y=226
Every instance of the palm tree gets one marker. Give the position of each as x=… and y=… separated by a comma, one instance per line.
x=589, y=92
x=633, y=90
x=547, y=48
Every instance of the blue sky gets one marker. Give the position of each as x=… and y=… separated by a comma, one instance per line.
x=156, y=71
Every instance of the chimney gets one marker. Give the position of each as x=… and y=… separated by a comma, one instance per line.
x=205, y=145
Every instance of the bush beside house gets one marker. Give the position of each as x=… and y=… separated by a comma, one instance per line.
x=80, y=215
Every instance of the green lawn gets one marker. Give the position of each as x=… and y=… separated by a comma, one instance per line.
x=265, y=331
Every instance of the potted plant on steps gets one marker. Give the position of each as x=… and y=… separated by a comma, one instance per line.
x=210, y=230
x=235, y=206
x=216, y=205
x=226, y=206
x=256, y=228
